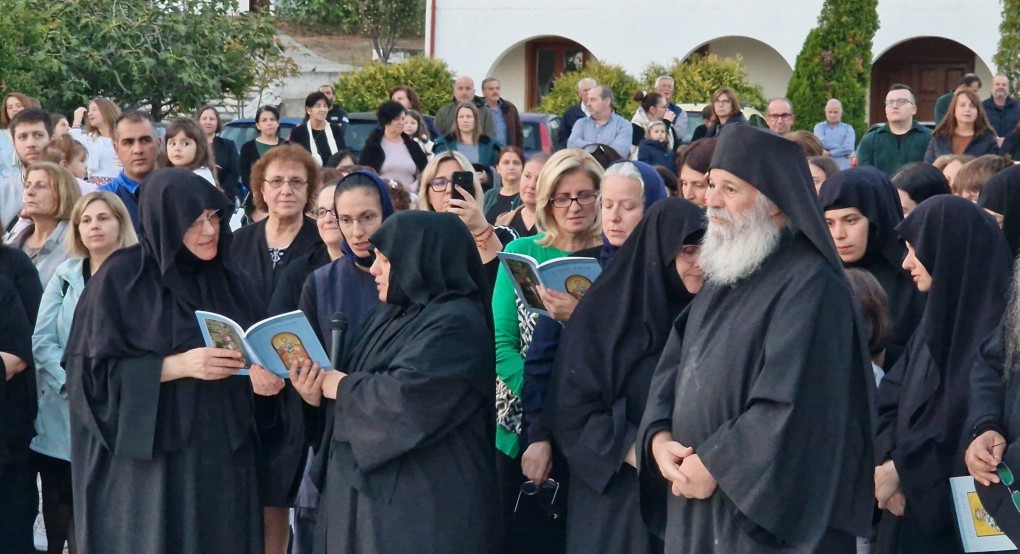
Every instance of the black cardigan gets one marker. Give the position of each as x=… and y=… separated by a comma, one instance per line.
x=227, y=167
x=300, y=136
x=373, y=155
x=250, y=155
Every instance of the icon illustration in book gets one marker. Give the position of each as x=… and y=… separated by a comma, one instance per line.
x=577, y=285
x=224, y=336
x=289, y=348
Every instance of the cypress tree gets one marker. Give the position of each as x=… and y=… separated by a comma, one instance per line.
x=835, y=62
x=1007, y=58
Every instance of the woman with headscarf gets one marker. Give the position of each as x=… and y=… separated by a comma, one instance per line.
x=19, y=496
x=922, y=403
x=862, y=210
x=917, y=182
x=601, y=386
x=411, y=466
x=1001, y=197
x=161, y=435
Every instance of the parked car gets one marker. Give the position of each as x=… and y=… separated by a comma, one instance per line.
x=242, y=130
x=540, y=132
x=754, y=117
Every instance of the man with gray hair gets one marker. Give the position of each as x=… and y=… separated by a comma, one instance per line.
x=509, y=131
x=464, y=91
x=664, y=85
x=1003, y=110
x=603, y=125
x=838, y=138
x=779, y=115
x=577, y=112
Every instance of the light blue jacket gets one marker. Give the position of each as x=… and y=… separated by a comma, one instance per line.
x=56, y=310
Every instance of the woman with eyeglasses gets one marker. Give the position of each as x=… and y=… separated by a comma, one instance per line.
x=725, y=111
x=964, y=130
x=923, y=400
x=163, y=433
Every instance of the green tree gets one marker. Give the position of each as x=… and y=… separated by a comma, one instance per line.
x=698, y=77
x=364, y=90
x=835, y=62
x=564, y=89
x=1007, y=58
x=25, y=27
x=383, y=21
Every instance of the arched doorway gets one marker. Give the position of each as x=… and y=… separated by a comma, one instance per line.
x=546, y=58
x=766, y=67
x=932, y=66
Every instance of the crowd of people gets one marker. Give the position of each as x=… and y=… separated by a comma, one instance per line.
x=795, y=341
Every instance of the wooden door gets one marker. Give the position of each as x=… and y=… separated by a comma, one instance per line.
x=931, y=66
x=547, y=60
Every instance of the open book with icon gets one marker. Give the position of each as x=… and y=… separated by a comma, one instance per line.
x=572, y=275
x=276, y=343
x=978, y=530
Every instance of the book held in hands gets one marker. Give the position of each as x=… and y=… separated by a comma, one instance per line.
x=275, y=343
x=978, y=530
x=571, y=275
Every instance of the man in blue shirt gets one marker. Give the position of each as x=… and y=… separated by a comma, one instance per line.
x=838, y=138
x=602, y=126
x=509, y=131
x=137, y=145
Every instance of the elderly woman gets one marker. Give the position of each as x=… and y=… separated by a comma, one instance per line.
x=100, y=225
x=93, y=127
x=466, y=137
x=390, y=152
x=316, y=135
x=50, y=194
x=155, y=413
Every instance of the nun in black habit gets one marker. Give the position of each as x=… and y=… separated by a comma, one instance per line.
x=767, y=382
x=411, y=467
x=959, y=252
x=870, y=191
x=1001, y=195
x=603, y=368
x=163, y=437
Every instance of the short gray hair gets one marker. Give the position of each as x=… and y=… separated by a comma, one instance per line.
x=780, y=99
x=586, y=80
x=624, y=169
x=672, y=82
x=834, y=101
x=488, y=80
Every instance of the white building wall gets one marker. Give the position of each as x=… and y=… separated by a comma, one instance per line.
x=473, y=36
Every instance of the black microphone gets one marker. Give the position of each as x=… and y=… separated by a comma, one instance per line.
x=337, y=332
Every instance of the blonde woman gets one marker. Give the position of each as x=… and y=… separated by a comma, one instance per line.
x=49, y=197
x=100, y=225
x=97, y=136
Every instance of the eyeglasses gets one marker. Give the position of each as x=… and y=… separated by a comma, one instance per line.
x=294, y=183
x=690, y=252
x=439, y=184
x=778, y=116
x=366, y=219
x=583, y=199
x=897, y=102
x=213, y=218
x=322, y=212
x=722, y=101
x=1008, y=480
x=529, y=488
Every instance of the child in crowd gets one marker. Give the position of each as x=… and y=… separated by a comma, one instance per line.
x=654, y=149
x=187, y=147
x=414, y=127
x=71, y=155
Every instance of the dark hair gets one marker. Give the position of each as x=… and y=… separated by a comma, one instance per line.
x=134, y=116
x=331, y=89
x=648, y=99
x=920, y=181
x=399, y=197
x=389, y=111
x=697, y=156
x=901, y=86
x=271, y=109
x=808, y=141
x=969, y=79
x=412, y=96
x=26, y=102
x=423, y=128
x=825, y=163
x=312, y=99
x=875, y=308
x=335, y=159
x=357, y=181
x=669, y=179
x=510, y=150
x=219, y=120
x=194, y=131
x=604, y=154
x=55, y=118
x=32, y=115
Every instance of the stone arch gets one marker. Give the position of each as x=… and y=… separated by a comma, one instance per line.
x=766, y=67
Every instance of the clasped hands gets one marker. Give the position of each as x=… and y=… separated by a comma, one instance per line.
x=309, y=380
x=683, y=468
x=888, y=491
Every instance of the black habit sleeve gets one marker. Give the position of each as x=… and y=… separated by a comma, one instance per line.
x=987, y=387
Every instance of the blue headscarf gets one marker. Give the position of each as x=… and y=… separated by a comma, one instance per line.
x=387, y=210
x=655, y=190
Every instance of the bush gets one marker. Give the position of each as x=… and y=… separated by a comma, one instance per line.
x=835, y=62
x=698, y=77
x=564, y=89
x=1007, y=58
x=364, y=90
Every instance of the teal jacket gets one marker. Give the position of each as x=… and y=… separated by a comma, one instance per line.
x=492, y=195
x=879, y=148
x=56, y=310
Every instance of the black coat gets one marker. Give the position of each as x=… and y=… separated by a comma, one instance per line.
x=573, y=114
x=300, y=136
x=227, y=167
x=979, y=145
x=373, y=155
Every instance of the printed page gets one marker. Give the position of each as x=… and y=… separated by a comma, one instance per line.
x=222, y=332
x=978, y=530
x=573, y=276
x=524, y=274
x=284, y=340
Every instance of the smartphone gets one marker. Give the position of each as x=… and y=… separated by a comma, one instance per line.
x=463, y=179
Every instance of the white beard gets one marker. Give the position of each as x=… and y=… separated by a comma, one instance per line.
x=1012, y=330
x=735, y=250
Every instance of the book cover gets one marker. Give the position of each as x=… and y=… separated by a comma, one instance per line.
x=571, y=275
x=275, y=343
x=978, y=530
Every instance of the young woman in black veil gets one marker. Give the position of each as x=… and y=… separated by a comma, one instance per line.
x=163, y=436
x=862, y=210
x=955, y=253
x=604, y=365
x=1001, y=197
x=411, y=465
